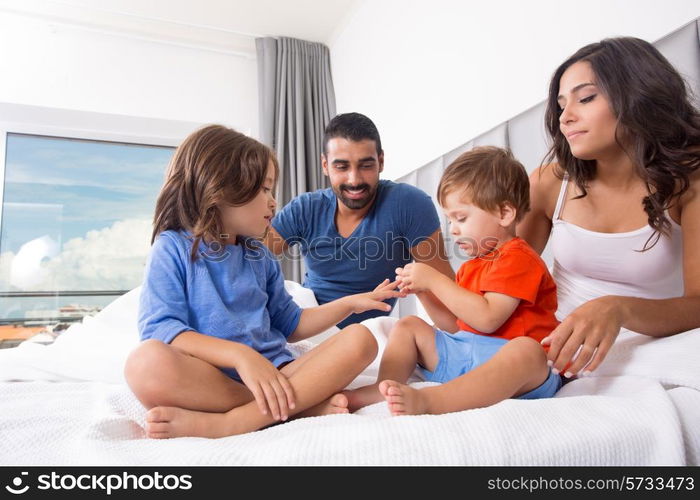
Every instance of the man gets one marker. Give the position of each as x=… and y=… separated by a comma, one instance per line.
x=355, y=234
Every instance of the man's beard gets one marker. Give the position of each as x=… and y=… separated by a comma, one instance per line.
x=358, y=203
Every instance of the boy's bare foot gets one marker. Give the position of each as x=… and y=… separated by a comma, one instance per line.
x=402, y=399
x=169, y=422
x=363, y=396
x=338, y=403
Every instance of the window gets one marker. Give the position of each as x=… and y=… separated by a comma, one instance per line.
x=75, y=225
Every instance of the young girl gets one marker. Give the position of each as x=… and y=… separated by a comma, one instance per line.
x=621, y=201
x=214, y=315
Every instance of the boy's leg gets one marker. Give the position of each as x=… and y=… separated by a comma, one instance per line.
x=317, y=379
x=518, y=367
x=160, y=374
x=411, y=341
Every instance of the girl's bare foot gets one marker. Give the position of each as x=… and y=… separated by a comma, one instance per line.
x=402, y=399
x=338, y=403
x=169, y=422
x=363, y=396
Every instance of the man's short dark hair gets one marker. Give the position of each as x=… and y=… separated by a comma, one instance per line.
x=353, y=127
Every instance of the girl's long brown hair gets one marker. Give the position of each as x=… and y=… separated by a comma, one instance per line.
x=213, y=165
x=657, y=126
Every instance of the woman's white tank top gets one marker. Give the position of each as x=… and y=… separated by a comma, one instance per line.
x=589, y=264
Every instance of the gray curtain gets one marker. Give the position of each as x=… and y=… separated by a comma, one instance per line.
x=296, y=101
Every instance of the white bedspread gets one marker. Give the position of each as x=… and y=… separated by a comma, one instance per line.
x=641, y=407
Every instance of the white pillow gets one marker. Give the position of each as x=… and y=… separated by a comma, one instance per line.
x=96, y=349
x=304, y=297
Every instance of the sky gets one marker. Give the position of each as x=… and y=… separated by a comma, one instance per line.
x=82, y=210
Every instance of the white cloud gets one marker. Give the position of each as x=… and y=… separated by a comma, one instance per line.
x=26, y=269
x=111, y=258
x=5, y=268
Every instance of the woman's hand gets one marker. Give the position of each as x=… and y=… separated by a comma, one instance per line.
x=362, y=302
x=592, y=327
x=273, y=392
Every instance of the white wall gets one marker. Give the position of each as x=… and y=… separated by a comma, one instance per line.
x=61, y=66
x=434, y=74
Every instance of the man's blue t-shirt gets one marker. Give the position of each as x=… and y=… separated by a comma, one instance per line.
x=235, y=293
x=401, y=217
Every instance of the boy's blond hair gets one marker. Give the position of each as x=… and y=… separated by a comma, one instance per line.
x=489, y=177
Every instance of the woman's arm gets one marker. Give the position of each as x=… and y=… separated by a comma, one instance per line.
x=537, y=223
x=594, y=326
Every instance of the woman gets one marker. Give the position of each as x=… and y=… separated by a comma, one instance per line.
x=621, y=200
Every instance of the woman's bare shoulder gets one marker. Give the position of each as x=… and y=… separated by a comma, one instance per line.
x=545, y=183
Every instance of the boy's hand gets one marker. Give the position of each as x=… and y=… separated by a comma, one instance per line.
x=273, y=392
x=415, y=277
x=362, y=302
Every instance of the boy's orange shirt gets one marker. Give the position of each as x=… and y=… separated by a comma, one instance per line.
x=515, y=270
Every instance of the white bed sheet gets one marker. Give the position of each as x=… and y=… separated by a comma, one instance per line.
x=640, y=408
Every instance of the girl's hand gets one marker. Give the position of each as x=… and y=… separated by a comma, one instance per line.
x=415, y=277
x=273, y=392
x=592, y=327
x=362, y=302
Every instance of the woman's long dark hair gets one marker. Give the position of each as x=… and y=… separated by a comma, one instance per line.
x=213, y=165
x=657, y=126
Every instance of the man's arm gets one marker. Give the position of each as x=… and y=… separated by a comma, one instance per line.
x=289, y=225
x=275, y=242
x=431, y=251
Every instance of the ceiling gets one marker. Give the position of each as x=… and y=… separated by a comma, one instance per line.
x=223, y=25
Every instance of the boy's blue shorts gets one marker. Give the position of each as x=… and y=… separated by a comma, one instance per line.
x=463, y=351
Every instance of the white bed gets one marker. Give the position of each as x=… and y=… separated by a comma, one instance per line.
x=67, y=404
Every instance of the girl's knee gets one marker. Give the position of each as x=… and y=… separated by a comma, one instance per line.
x=148, y=364
x=363, y=342
x=145, y=355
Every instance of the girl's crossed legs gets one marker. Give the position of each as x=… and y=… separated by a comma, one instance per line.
x=187, y=396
